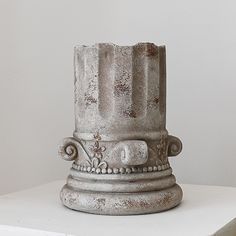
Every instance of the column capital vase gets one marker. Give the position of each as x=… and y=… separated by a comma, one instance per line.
x=120, y=146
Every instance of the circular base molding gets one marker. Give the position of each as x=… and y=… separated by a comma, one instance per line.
x=113, y=203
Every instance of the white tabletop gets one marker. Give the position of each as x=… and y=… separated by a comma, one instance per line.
x=203, y=211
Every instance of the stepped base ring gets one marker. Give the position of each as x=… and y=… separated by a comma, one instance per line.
x=108, y=203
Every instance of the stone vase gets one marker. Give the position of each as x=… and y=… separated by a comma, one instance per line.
x=120, y=146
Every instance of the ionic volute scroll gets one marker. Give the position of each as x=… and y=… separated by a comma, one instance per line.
x=70, y=149
x=174, y=146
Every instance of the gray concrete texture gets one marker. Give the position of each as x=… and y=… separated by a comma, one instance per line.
x=120, y=146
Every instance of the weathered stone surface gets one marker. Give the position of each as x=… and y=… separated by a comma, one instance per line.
x=120, y=142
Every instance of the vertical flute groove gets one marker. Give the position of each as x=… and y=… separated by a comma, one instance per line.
x=105, y=80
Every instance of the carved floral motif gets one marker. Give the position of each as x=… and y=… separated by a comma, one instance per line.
x=96, y=160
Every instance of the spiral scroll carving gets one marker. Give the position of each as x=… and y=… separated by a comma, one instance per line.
x=174, y=146
x=68, y=150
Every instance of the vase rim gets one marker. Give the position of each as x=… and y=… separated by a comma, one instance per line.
x=96, y=45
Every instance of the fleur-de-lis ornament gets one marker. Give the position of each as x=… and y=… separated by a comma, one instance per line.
x=96, y=160
x=97, y=151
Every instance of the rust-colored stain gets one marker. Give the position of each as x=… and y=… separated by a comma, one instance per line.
x=156, y=100
x=153, y=102
x=121, y=89
x=166, y=199
x=89, y=99
x=162, y=148
x=144, y=204
x=130, y=113
x=132, y=203
x=151, y=50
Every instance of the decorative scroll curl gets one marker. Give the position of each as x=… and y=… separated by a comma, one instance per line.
x=174, y=146
x=68, y=149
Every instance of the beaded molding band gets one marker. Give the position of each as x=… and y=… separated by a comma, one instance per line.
x=121, y=170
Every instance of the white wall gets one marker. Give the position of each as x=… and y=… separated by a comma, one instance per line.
x=36, y=80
